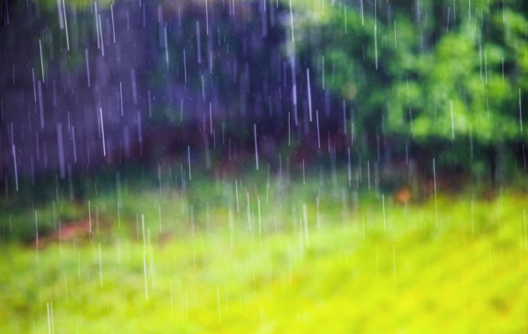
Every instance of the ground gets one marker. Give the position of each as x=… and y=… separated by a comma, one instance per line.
x=353, y=262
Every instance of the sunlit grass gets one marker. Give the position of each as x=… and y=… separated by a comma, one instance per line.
x=359, y=269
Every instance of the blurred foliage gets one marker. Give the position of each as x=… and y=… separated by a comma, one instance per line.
x=443, y=79
x=431, y=72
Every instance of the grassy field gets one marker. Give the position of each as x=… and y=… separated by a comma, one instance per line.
x=303, y=259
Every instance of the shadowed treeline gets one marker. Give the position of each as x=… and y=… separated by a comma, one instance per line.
x=160, y=76
x=86, y=86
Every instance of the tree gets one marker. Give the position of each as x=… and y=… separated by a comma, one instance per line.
x=451, y=83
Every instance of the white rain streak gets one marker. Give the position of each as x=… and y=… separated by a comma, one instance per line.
x=309, y=93
x=189, y=159
x=66, y=25
x=198, y=44
x=436, y=203
x=113, y=24
x=121, y=97
x=87, y=67
x=60, y=146
x=520, y=110
x=41, y=61
x=102, y=130
x=256, y=146
x=41, y=104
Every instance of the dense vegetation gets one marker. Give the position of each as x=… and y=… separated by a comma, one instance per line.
x=416, y=79
x=448, y=77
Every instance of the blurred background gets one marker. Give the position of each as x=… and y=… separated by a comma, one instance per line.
x=313, y=147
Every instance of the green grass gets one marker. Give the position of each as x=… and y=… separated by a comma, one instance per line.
x=359, y=270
